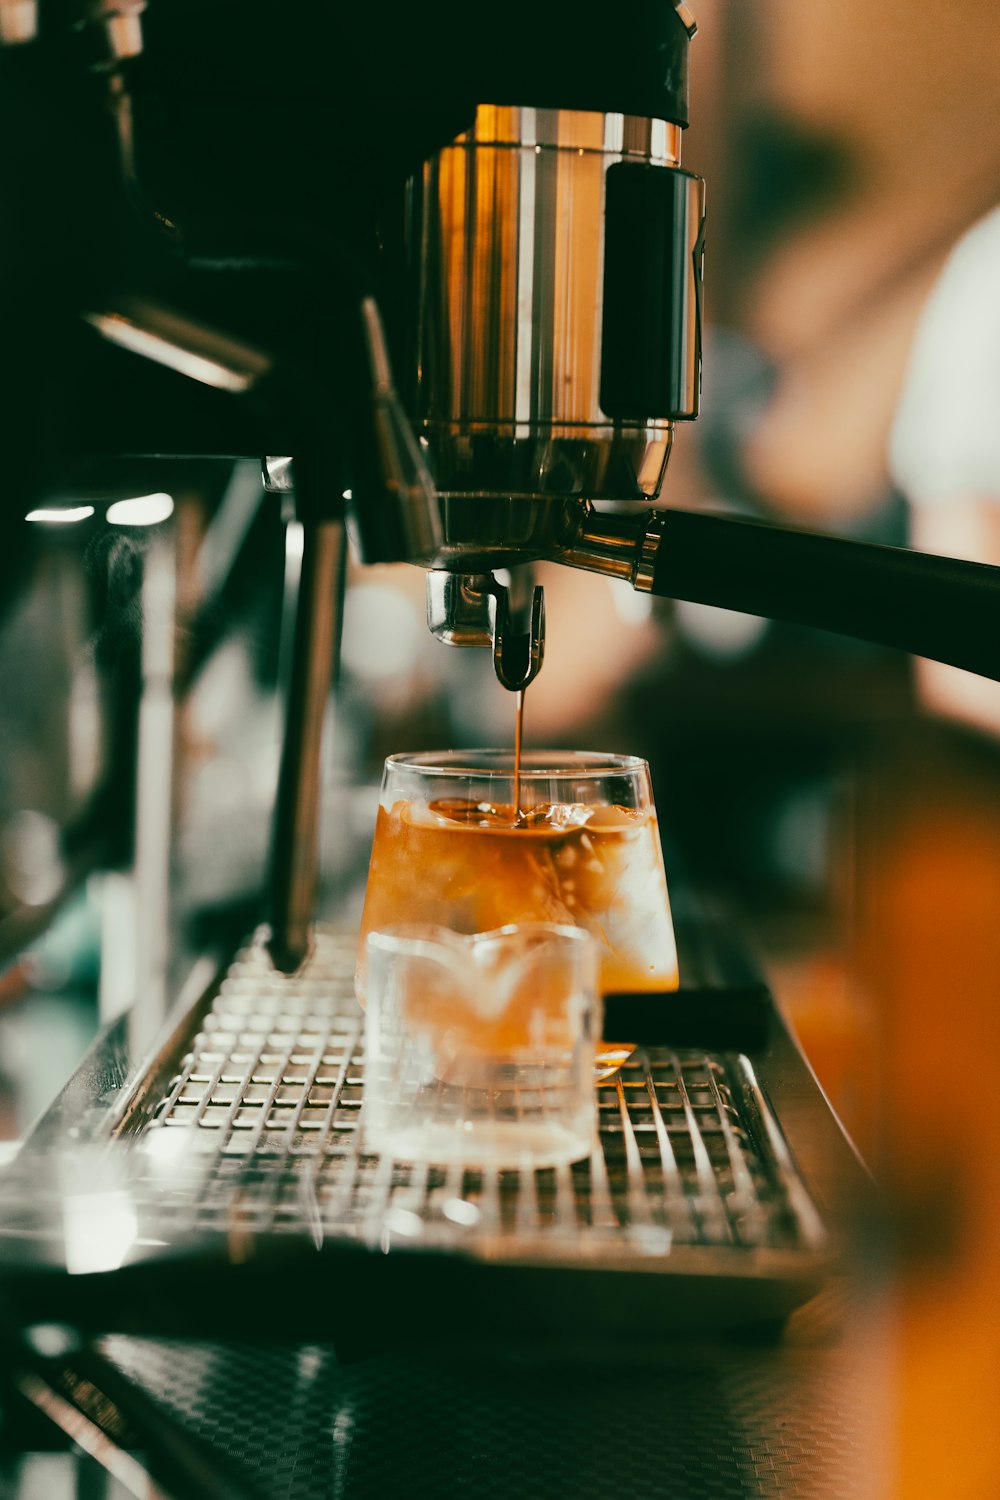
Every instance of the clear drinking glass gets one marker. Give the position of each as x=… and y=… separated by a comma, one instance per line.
x=574, y=843
x=480, y=1049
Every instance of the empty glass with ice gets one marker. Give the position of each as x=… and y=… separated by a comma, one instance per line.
x=479, y=1049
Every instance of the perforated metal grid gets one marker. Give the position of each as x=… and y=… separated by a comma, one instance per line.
x=763, y=1423
x=260, y=1127
x=253, y=1127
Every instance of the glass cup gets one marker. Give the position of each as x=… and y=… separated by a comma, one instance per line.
x=575, y=843
x=479, y=1049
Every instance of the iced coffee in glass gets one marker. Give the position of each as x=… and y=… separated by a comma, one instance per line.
x=462, y=843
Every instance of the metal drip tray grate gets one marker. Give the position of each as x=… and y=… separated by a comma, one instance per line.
x=256, y=1130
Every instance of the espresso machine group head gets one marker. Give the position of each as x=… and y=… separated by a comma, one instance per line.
x=544, y=308
x=554, y=263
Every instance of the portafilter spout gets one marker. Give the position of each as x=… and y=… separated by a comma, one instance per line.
x=474, y=609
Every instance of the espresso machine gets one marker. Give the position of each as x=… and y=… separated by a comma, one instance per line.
x=442, y=276
x=459, y=323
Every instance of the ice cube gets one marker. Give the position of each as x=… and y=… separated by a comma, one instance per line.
x=447, y=812
x=568, y=814
x=538, y=975
x=484, y=994
x=637, y=922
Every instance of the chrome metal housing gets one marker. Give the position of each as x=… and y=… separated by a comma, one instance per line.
x=506, y=246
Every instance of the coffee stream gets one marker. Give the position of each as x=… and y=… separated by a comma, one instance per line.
x=518, y=732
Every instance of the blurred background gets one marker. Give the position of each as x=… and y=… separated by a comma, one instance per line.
x=842, y=799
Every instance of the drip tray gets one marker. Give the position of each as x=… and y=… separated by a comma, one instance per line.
x=238, y=1153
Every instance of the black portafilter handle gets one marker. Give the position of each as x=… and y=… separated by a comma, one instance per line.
x=938, y=607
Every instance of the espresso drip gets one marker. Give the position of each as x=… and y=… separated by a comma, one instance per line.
x=518, y=733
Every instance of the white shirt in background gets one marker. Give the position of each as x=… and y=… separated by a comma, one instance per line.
x=944, y=447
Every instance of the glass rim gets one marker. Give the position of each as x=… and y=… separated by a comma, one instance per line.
x=568, y=765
